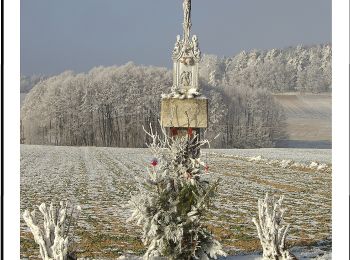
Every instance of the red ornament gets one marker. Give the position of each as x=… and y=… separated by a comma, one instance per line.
x=173, y=131
x=190, y=132
x=206, y=168
x=154, y=162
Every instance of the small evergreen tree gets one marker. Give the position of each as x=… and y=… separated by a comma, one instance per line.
x=171, y=203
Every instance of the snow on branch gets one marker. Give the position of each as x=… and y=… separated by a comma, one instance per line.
x=272, y=233
x=52, y=237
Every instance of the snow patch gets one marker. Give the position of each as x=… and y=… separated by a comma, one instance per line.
x=284, y=163
x=313, y=165
x=255, y=159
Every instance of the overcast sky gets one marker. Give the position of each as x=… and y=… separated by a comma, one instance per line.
x=59, y=35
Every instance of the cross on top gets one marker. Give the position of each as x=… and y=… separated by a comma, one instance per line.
x=187, y=19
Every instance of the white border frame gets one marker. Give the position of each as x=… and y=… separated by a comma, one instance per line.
x=11, y=133
x=11, y=156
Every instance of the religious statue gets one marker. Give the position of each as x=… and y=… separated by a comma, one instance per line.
x=186, y=78
x=196, y=50
x=177, y=47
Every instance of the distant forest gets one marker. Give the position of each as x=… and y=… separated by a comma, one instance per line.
x=109, y=105
x=302, y=69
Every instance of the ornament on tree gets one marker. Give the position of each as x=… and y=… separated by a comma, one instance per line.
x=190, y=132
x=173, y=131
x=154, y=162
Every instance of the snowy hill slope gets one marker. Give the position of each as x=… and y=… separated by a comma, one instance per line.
x=309, y=119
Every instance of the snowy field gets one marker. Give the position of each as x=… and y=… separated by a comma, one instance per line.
x=297, y=155
x=101, y=179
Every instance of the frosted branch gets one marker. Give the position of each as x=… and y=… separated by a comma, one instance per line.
x=52, y=237
x=272, y=233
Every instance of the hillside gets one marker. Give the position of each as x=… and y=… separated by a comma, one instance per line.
x=309, y=119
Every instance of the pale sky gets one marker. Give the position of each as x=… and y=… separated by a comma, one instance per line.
x=59, y=35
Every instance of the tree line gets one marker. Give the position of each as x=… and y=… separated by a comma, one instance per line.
x=108, y=106
x=301, y=68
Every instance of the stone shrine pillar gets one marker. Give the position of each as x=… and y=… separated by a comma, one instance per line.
x=185, y=110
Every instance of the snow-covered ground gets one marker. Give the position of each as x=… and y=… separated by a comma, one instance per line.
x=101, y=179
x=317, y=252
x=295, y=154
x=301, y=159
x=304, y=253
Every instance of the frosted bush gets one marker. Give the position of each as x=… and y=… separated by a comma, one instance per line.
x=53, y=236
x=272, y=233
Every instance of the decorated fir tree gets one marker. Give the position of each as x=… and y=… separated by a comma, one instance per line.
x=172, y=201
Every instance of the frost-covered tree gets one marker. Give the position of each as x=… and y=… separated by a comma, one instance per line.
x=211, y=68
x=28, y=82
x=271, y=230
x=306, y=69
x=53, y=235
x=171, y=203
